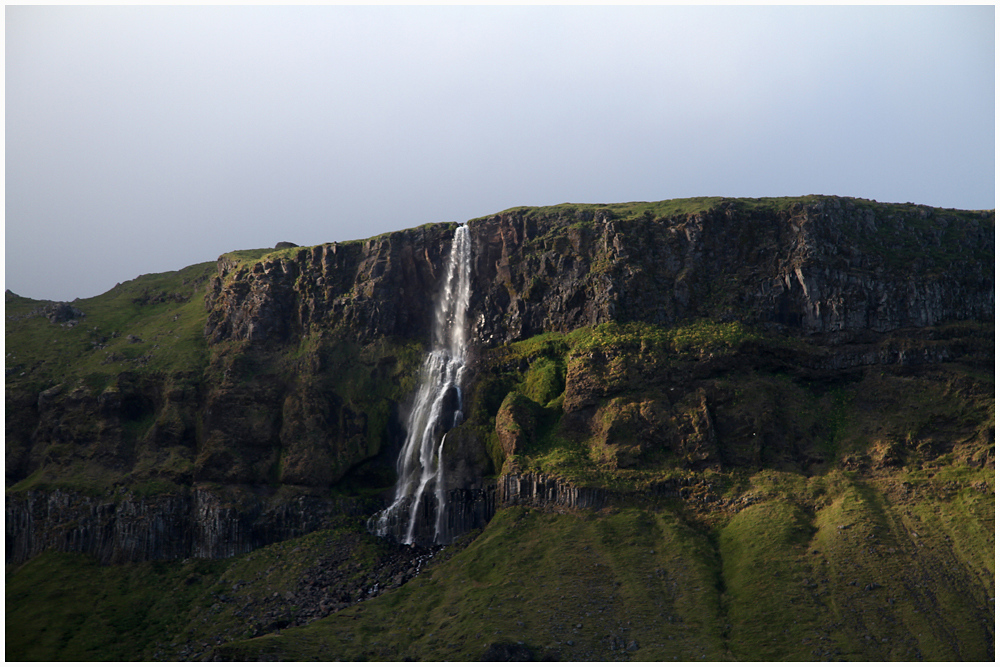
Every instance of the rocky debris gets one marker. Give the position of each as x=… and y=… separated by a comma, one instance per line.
x=63, y=312
x=325, y=588
x=337, y=580
x=58, y=312
x=500, y=652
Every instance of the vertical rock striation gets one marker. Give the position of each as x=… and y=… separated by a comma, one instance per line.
x=126, y=527
x=820, y=265
x=539, y=490
x=369, y=289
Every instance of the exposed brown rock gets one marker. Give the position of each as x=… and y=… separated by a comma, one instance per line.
x=515, y=423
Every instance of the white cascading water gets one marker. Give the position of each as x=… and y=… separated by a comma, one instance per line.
x=437, y=405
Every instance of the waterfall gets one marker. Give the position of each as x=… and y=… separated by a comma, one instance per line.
x=437, y=406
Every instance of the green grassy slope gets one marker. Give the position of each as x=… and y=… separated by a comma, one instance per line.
x=883, y=551
x=831, y=513
x=859, y=579
x=64, y=606
x=823, y=567
x=164, y=313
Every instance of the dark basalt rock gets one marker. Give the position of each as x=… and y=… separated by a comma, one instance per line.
x=865, y=283
x=64, y=312
x=538, y=490
x=833, y=265
x=376, y=288
x=815, y=269
x=126, y=527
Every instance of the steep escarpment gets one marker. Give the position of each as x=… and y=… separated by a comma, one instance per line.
x=218, y=463
x=379, y=287
x=208, y=522
x=812, y=264
x=815, y=265
x=674, y=377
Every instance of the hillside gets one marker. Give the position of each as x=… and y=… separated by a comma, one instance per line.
x=694, y=429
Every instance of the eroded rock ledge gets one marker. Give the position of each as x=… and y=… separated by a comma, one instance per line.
x=202, y=523
x=214, y=523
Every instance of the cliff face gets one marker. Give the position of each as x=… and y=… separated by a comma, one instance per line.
x=306, y=358
x=817, y=266
x=126, y=527
x=381, y=287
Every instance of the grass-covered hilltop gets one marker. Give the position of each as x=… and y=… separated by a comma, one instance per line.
x=699, y=429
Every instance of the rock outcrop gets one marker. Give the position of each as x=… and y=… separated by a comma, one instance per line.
x=378, y=287
x=200, y=522
x=539, y=490
x=311, y=355
x=818, y=266
x=823, y=266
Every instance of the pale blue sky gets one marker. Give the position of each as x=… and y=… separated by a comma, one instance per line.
x=146, y=139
